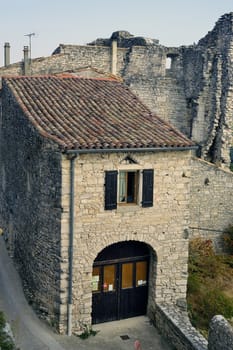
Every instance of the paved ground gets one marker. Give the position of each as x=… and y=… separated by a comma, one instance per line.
x=32, y=334
x=111, y=336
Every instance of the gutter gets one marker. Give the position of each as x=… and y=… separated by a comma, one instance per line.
x=126, y=150
x=71, y=243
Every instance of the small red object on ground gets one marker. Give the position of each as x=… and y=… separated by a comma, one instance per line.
x=137, y=345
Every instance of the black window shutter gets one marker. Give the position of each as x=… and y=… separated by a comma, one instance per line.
x=147, y=188
x=110, y=190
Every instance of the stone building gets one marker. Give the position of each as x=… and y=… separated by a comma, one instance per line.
x=189, y=86
x=96, y=195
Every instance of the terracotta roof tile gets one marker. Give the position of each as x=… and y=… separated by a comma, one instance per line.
x=80, y=113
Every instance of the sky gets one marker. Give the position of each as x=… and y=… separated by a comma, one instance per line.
x=54, y=22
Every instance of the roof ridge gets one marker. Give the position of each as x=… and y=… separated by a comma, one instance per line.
x=66, y=75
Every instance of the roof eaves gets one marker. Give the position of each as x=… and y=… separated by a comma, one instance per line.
x=143, y=149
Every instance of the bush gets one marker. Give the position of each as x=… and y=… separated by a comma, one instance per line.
x=199, y=246
x=202, y=259
x=213, y=302
x=209, y=290
x=5, y=342
x=228, y=238
x=193, y=283
x=2, y=320
x=216, y=303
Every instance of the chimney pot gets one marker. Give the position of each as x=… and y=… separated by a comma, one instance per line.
x=26, y=60
x=7, y=54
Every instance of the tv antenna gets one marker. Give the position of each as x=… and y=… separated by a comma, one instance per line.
x=30, y=43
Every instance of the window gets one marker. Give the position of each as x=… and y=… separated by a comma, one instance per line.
x=168, y=62
x=141, y=273
x=128, y=187
x=127, y=276
x=126, y=191
x=172, y=60
x=109, y=278
x=96, y=279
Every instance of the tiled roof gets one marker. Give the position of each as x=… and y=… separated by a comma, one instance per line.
x=80, y=113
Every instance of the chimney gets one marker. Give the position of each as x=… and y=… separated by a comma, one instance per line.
x=7, y=54
x=114, y=57
x=26, y=62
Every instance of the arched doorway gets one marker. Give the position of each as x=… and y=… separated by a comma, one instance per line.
x=120, y=281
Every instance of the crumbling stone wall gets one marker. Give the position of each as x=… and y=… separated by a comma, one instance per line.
x=210, y=202
x=220, y=334
x=174, y=325
x=208, y=83
x=30, y=217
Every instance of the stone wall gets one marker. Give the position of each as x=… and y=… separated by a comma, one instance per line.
x=175, y=326
x=163, y=226
x=220, y=334
x=210, y=201
x=30, y=180
x=208, y=84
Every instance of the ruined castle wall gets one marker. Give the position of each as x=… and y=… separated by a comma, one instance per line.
x=159, y=88
x=71, y=58
x=13, y=69
x=165, y=97
x=208, y=75
x=210, y=202
x=30, y=190
x=195, y=94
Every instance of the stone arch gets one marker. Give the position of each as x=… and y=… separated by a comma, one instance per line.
x=82, y=287
x=116, y=252
x=95, y=247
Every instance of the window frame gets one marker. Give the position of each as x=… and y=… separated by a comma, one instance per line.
x=136, y=187
x=144, y=188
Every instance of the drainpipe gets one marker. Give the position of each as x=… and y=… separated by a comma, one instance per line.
x=71, y=240
x=114, y=57
x=7, y=54
x=26, y=60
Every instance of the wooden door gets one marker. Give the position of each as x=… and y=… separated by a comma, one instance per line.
x=104, y=293
x=119, y=289
x=134, y=289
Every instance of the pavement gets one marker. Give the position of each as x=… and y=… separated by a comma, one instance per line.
x=125, y=334
x=31, y=333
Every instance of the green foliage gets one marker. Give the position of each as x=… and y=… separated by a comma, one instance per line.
x=216, y=302
x=87, y=332
x=5, y=342
x=203, y=262
x=2, y=320
x=194, y=283
x=209, y=284
x=228, y=238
